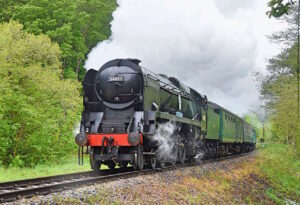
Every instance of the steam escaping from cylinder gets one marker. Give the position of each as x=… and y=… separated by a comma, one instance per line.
x=165, y=138
x=76, y=129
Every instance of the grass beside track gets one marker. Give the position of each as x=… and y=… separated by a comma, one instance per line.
x=280, y=165
x=66, y=166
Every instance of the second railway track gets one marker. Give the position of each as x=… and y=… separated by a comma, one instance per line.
x=14, y=190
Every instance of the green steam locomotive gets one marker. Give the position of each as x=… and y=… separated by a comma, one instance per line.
x=134, y=116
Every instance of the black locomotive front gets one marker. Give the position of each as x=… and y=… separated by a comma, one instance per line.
x=113, y=113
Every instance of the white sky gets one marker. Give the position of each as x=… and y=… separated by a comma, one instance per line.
x=210, y=45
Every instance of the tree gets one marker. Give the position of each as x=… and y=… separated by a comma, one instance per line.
x=38, y=108
x=76, y=26
x=279, y=7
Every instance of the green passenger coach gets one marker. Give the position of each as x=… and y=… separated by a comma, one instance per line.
x=229, y=129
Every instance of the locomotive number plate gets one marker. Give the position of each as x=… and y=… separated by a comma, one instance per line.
x=116, y=79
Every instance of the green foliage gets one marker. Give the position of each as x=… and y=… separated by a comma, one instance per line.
x=281, y=165
x=37, y=107
x=279, y=7
x=279, y=87
x=76, y=26
x=285, y=122
x=279, y=90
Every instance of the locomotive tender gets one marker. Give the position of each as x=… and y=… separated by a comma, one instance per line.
x=124, y=104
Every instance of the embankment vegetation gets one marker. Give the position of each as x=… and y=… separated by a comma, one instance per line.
x=271, y=176
x=279, y=164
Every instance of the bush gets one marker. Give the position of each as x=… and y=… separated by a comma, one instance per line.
x=38, y=109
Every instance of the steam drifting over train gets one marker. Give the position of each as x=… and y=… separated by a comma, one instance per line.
x=133, y=116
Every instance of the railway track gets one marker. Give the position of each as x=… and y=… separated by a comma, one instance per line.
x=14, y=190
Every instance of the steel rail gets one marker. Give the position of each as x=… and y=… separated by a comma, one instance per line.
x=14, y=190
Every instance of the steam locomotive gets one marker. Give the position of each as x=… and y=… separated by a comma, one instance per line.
x=125, y=105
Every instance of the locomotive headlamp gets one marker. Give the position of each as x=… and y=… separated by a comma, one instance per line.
x=81, y=139
x=134, y=138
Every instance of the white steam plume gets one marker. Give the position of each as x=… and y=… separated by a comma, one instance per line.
x=209, y=45
x=166, y=141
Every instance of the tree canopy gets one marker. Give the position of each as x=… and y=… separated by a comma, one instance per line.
x=76, y=26
x=38, y=107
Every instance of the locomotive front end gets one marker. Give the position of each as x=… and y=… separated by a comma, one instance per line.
x=113, y=114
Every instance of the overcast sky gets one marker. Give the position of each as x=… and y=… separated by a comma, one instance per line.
x=210, y=45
